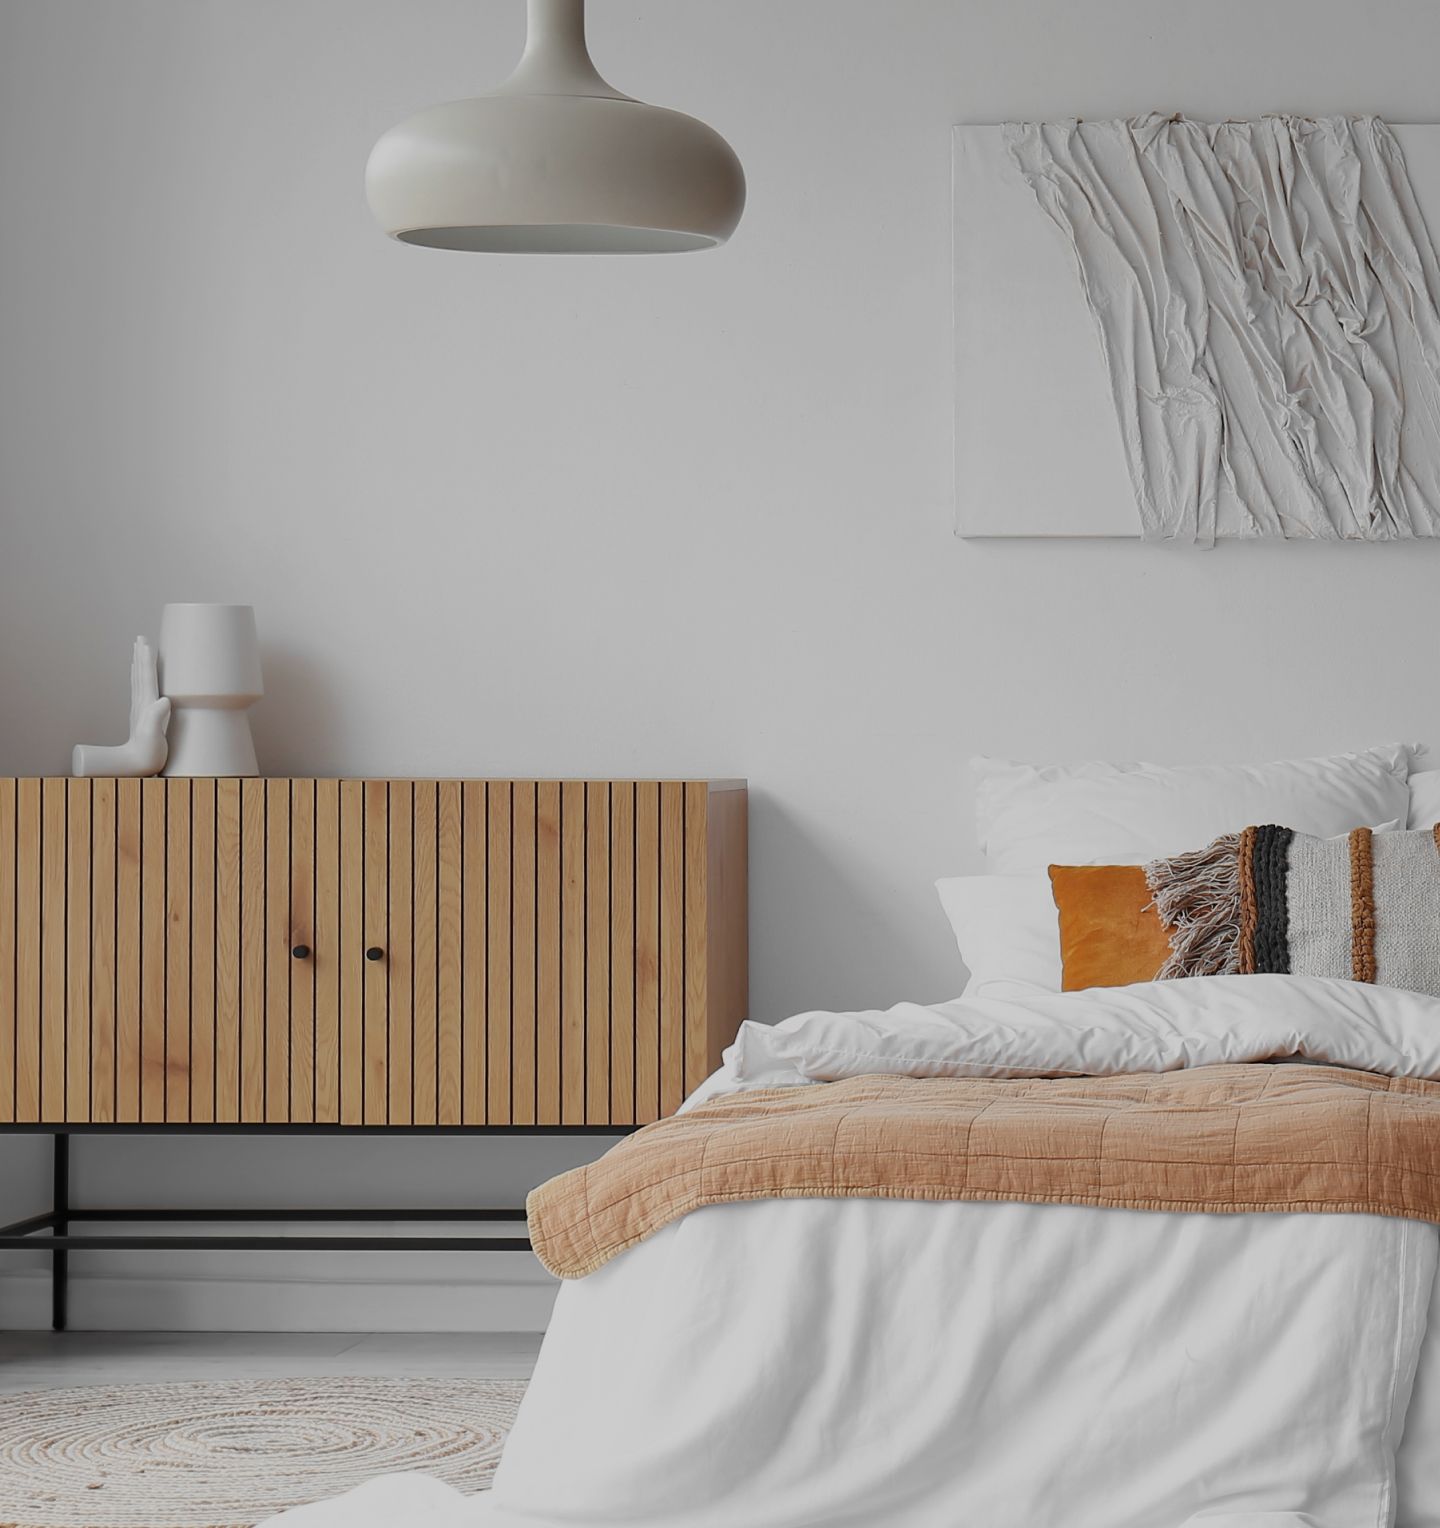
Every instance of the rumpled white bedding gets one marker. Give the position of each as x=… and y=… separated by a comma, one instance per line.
x=791, y=1364
x=1149, y=1027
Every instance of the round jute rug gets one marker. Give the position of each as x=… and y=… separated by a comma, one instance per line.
x=231, y=1453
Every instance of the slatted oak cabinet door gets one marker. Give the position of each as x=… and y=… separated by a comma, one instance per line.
x=393, y=953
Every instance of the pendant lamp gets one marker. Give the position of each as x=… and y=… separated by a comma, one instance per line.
x=555, y=161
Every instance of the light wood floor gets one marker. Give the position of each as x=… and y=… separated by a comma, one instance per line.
x=41, y=1360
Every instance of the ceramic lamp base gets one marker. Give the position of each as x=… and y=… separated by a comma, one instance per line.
x=210, y=740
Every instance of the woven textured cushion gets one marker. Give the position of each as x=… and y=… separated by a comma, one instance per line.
x=1363, y=906
x=1110, y=932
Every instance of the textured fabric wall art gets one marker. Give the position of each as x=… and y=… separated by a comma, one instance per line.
x=1264, y=294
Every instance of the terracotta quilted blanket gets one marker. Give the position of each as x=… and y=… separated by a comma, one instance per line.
x=1221, y=1139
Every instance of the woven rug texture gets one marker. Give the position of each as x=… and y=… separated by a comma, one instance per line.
x=231, y=1453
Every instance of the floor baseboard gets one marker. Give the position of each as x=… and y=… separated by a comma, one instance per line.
x=48, y=1360
x=196, y=1291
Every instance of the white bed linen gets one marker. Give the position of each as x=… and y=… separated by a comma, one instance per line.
x=792, y=1364
x=1008, y=932
x=1030, y=816
x=1099, y=1032
x=1418, y=1471
x=1425, y=798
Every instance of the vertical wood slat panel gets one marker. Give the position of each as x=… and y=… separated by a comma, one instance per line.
x=449, y=953
x=277, y=951
x=727, y=932
x=597, y=952
x=498, y=1013
x=377, y=933
x=103, y=895
x=475, y=914
x=647, y=951
x=302, y=932
x=547, y=952
x=153, y=913
x=228, y=836
x=672, y=945
x=176, y=1059
x=350, y=955
x=622, y=952
x=424, y=953
x=253, y=864
x=8, y=909
x=78, y=862
x=572, y=952
x=327, y=952
x=52, y=949
x=566, y=948
x=401, y=955
x=697, y=794
x=524, y=1087
x=204, y=936
x=27, y=951
x=127, y=951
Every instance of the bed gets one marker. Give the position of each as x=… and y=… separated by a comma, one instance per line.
x=1270, y=1359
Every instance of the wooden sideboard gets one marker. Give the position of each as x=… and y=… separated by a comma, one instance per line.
x=314, y=956
x=366, y=953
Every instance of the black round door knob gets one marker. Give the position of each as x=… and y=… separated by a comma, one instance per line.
x=374, y=953
x=301, y=952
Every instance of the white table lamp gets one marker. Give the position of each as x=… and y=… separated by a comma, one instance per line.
x=210, y=672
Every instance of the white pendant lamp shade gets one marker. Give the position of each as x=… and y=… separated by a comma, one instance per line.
x=555, y=161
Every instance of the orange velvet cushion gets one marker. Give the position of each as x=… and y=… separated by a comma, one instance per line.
x=1110, y=934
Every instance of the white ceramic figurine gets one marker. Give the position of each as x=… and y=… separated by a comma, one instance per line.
x=144, y=752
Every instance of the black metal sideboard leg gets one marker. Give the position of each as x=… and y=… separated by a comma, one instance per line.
x=60, y=1261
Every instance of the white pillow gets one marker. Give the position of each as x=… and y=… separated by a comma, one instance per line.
x=1425, y=798
x=1008, y=931
x=1031, y=816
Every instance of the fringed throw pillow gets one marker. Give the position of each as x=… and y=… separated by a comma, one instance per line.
x=1365, y=906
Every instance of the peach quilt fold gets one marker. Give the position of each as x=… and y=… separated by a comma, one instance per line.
x=1218, y=1139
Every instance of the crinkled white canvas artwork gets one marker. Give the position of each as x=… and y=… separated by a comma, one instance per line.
x=1189, y=331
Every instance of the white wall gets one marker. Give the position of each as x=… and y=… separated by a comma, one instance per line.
x=660, y=516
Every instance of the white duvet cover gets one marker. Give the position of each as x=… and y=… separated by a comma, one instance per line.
x=840, y=1363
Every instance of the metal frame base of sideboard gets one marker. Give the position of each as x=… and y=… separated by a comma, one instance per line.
x=28, y=1234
